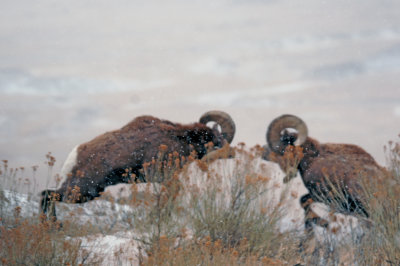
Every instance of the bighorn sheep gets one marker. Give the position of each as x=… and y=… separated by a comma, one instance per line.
x=101, y=162
x=326, y=169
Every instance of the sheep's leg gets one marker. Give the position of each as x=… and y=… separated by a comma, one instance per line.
x=45, y=202
x=310, y=216
x=48, y=205
x=308, y=244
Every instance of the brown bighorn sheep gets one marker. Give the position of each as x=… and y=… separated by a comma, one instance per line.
x=326, y=169
x=101, y=162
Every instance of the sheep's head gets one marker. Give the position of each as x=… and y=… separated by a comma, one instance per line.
x=223, y=129
x=280, y=133
x=219, y=134
x=285, y=136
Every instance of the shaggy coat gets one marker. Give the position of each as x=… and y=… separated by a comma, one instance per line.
x=333, y=172
x=102, y=161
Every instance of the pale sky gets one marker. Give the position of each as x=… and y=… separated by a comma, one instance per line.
x=70, y=70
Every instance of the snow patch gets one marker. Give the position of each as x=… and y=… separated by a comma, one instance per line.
x=342, y=228
x=29, y=204
x=117, y=249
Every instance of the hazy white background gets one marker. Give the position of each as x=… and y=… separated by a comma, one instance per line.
x=70, y=70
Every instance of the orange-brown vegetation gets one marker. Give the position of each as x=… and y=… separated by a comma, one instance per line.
x=177, y=224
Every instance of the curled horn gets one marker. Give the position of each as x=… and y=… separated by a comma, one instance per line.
x=284, y=122
x=228, y=127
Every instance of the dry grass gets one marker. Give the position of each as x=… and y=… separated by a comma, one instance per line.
x=157, y=209
x=210, y=216
x=381, y=244
x=207, y=252
x=183, y=217
x=31, y=239
x=27, y=243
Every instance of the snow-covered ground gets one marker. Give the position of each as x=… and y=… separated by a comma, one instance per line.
x=115, y=222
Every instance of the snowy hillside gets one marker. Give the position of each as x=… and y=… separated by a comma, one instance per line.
x=116, y=221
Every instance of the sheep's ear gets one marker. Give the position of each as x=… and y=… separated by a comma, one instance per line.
x=311, y=147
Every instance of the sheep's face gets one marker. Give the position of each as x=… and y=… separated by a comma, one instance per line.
x=287, y=138
x=288, y=161
x=199, y=139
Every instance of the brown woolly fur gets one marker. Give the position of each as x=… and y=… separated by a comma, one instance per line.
x=331, y=172
x=110, y=154
x=103, y=161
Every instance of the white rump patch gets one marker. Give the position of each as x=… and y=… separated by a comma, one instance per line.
x=69, y=163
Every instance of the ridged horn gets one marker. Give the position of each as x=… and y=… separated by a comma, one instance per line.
x=228, y=127
x=284, y=122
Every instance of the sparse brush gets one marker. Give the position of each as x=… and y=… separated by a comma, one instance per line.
x=157, y=209
x=29, y=242
x=8, y=186
x=382, y=241
x=26, y=238
x=218, y=214
x=204, y=251
x=377, y=208
x=232, y=215
x=227, y=206
x=334, y=193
